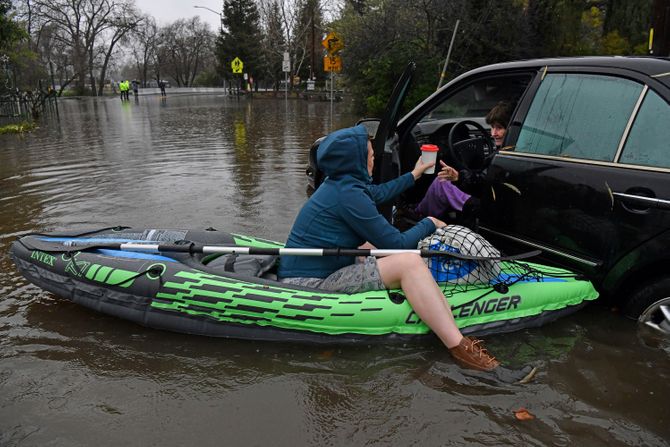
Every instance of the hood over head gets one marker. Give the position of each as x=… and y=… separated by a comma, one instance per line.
x=345, y=153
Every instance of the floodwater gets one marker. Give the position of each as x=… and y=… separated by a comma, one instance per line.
x=72, y=377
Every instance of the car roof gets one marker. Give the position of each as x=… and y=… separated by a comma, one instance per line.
x=648, y=65
x=644, y=64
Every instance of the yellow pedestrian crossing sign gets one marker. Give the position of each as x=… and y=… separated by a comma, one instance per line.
x=237, y=65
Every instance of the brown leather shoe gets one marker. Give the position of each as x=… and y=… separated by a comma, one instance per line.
x=471, y=354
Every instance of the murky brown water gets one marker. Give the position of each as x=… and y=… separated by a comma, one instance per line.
x=71, y=377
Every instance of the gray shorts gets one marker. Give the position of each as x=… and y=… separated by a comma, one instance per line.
x=354, y=278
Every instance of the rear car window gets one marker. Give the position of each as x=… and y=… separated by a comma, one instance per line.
x=579, y=116
x=649, y=137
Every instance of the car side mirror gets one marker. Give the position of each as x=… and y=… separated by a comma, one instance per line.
x=370, y=124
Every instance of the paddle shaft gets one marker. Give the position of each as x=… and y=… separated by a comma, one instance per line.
x=192, y=247
x=212, y=249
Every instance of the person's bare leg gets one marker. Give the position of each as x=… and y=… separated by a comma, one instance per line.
x=409, y=272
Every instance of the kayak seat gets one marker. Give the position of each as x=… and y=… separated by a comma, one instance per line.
x=258, y=266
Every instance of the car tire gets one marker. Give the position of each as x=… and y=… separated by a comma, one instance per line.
x=650, y=305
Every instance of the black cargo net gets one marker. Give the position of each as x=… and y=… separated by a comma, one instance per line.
x=457, y=275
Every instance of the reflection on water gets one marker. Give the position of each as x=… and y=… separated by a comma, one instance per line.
x=196, y=162
x=69, y=376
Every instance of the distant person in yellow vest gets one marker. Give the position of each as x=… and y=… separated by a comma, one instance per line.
x=125, y=87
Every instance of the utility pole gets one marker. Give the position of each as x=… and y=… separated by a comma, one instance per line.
x=659, y=34
x=311, y=67
x=443, y=74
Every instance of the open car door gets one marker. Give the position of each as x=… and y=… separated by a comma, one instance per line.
x=385, y=144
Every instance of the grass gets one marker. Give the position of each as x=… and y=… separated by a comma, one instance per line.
x=22, y=127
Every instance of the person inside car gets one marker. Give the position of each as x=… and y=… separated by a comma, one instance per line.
x=342, y=213
x=443, y=196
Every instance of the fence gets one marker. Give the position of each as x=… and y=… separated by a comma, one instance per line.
x=28, y=104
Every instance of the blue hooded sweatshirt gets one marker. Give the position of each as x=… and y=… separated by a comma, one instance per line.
x=342, y=212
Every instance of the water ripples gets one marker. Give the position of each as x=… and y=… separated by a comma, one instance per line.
x=193, y=162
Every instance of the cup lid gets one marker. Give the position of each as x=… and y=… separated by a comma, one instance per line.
x=429, y=148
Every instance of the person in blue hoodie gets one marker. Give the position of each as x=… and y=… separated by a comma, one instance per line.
x=343, y=213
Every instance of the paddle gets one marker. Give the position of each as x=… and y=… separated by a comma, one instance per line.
x=192, y=248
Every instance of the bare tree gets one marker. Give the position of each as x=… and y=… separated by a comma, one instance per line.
x=47, y=41
x=185, y=44
x=90, y=30
x=301, y=24
x=143, y=42
x=119, y=25
x=54, y=55
x=274, y=40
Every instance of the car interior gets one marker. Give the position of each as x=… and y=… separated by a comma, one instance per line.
x=456, y=124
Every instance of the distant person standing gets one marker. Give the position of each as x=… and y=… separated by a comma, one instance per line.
x=161, y=84
x=136, y=86
x=127, y=89
x=124, y=86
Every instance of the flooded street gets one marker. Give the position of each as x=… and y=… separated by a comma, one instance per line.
x=73, y=377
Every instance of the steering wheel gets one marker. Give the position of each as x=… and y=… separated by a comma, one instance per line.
x=472, y=153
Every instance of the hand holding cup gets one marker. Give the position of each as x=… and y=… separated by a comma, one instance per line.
x=421, y=167
x=429, y=155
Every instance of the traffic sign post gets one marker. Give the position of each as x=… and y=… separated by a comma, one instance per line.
x=286, y=63
x=286, y=68
x=332, y=63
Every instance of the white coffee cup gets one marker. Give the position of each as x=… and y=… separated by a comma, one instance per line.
x=429, y=155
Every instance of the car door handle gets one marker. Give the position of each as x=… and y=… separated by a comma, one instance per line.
x=637, y=202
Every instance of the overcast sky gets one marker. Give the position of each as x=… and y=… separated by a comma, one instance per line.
x=166, y=11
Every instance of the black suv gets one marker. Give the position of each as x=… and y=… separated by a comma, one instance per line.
x=583, y=174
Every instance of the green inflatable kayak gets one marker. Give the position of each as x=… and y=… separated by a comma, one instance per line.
x=238, y=296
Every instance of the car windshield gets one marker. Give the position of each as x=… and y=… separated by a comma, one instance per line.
x=476, y=99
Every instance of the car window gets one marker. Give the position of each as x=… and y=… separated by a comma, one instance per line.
x=578, y=115
x=647, y=142
x=476, y=99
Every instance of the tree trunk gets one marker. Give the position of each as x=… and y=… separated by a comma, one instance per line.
x=79, y=68
x=108, y=56
x=91, y=76
x=195, y=69
x=145, y=68
x=661, y=24
x=93, y=89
